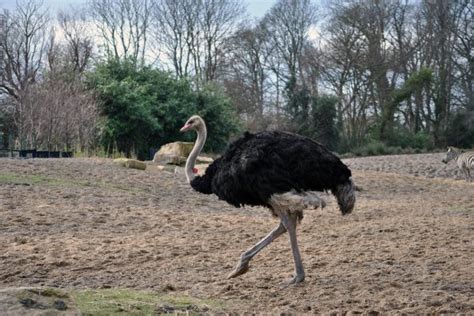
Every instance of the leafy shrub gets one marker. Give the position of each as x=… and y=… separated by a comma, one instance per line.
x=460, y=132
x=215, y=108
x=405, y=139
x=313, y=116
x=376, y=148
x=323, y=123
x=145, y=108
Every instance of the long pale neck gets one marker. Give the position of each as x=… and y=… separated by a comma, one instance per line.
x=200, y=141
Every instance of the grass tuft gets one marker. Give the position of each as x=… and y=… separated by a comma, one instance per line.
x=132, y=302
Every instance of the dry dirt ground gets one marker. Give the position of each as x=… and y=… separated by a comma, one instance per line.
x=89, y=223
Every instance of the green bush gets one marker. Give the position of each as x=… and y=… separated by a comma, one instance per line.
x=405, y=139
x=323, y=121
x=215, y=108
x=400, y=141
x=313, y=116
x=376, y=148
x=460, y=131
x=144, y=108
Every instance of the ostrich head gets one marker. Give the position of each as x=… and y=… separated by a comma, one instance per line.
x=195, y=122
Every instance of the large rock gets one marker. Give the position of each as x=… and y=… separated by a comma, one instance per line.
x=131, y=163
x=173, y=153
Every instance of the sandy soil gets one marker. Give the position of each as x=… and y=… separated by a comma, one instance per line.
x=89, y=223
x=426, y=165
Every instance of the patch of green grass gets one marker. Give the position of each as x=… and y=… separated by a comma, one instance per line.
x=43, y=298
x=6, y=177
x=32, y=179
x=132, y=302
x=46, y=292
x=49, y=292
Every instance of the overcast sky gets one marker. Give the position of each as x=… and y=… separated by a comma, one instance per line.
x=256, y=8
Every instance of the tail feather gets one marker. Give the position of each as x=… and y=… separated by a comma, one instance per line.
x=345, y=195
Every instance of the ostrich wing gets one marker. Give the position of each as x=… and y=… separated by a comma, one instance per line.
x=257, y=166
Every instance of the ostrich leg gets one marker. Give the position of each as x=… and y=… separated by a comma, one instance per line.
x=289, y=219
x=243, y=265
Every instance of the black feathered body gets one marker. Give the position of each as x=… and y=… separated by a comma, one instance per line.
x=259, y=165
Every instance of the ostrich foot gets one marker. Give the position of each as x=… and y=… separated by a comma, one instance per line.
x=241, y=268
x=294, y=280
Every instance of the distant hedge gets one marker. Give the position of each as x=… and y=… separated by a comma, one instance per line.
x=144, y=108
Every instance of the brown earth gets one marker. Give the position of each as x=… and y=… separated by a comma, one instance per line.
x=89, y=223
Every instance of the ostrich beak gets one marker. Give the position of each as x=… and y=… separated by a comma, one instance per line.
x=185, y=128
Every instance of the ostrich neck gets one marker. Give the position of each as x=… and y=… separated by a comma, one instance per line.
x=200, y=141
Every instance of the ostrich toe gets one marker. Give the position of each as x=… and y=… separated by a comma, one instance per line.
x=242, y=268
x=294, y=280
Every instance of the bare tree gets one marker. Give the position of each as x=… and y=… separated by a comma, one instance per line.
x=464, y=53
x=67, y=112
x=287, y=25
x=440, y=25
x=403, y=42
x=176, y=27
x=378, y=57
x=79, y=40
x=23, y=46
x=63, y=116
x=193, y=34
x=375, y=45
x=343, y=73
x=123, y=27
x=219, y=20
x=246, y=79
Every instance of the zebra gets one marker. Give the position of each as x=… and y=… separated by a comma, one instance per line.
x=465, y=161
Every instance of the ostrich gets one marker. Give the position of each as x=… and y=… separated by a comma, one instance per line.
x=278, y=170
